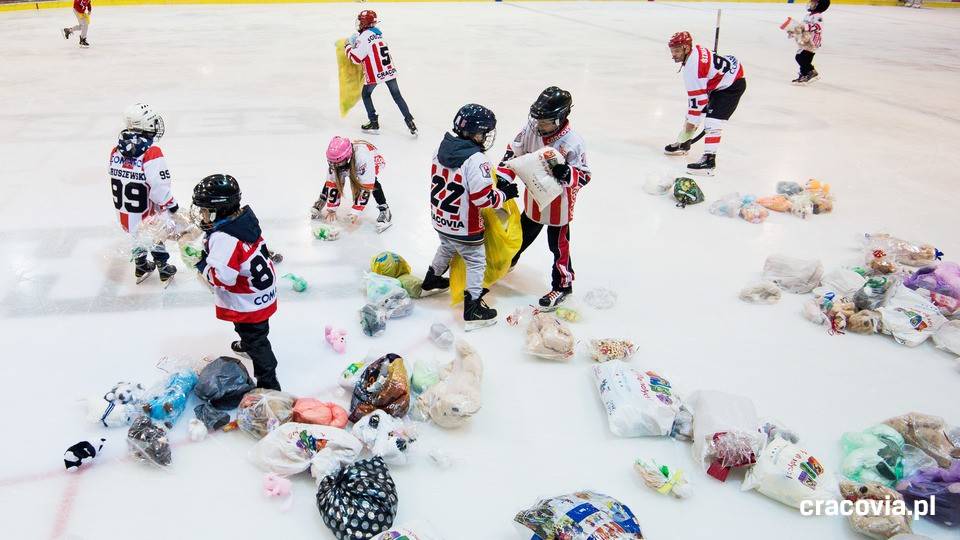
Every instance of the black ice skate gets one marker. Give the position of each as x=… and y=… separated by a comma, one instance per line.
x=66, y=33
x=384, y=220
x=476, y=313
x=412, y=127
x=167, y=271
x=553, y=299
x=807, y=79
x=677, y=149
x=705, y=167
x=372, y=126
x=275, y=256
x=143, y=269
x=83, y=43
x=433, y=284
x=237, y=347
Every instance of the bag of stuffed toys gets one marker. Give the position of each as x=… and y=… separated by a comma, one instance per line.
x=262, y=410
x=764, y=292
x=725, y=434
x=842, y=281
x=383, y=385
x=359, y=501
x=549, y=338
x=948, y=337
x=148, y=442
x=321, y=413
x=294, y=447
x=727, y=206
x=792, y=275
x=686, y=191
x=909, y=317
x=451, y=402
x=535, y=171
x=385, y=436
x=900, y=251
x=584, y=515
x=940, y=283
x=928, y=433
x=942, y=483
x=879, y=523
x=223, y=383
x=873, y=455
x=604, y=350
x=388, y=295
x=166, y=402
x=373, y=321
x=118, y=407
x=789, y=474
x=638, y=404
x=874, y=293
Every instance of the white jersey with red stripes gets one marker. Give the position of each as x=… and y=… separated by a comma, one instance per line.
x=371, y=52
x=704, y=72
x=141, y=186
x=811, y=32
x=571, y=147
x=368, y=162
x=457, y=195
x=243, y=278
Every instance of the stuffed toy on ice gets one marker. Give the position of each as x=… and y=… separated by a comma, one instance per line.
x=549, y=338
x=384, y=436
x=118, y=407
x=927, y=433
x=880, y=525
x=336, y=337
x=451, y=402
x=80, y=453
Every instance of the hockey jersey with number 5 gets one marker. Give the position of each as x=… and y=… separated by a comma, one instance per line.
x=141, y=186
x=571, y=147
x=704, y=72
x=238, y=266
x=368, y=162
x=371, y=51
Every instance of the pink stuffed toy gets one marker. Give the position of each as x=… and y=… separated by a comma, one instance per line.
x=336, y=338
x=314, y=411
x=277, y=486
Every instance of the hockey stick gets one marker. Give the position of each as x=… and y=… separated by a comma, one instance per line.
x=716, y=33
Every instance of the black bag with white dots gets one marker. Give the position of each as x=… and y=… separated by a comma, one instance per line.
x=358, y=502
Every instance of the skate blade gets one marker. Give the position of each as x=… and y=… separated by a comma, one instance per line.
x=431, y=292
x=166, y=282
x=702, y=172
x=383, y=226
x=371, y=131
x=677, y=153
x=144, y=277
x=470, y=326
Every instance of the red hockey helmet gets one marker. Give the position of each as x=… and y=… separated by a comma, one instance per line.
x=366, y=19
x=680, y=38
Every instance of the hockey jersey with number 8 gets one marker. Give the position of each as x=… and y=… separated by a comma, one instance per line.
x=368, y=162
x=141, y=186
x=371, y=52
x=705, y=72
x=239, y=268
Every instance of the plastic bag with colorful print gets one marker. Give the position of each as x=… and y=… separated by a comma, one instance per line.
x=584, y=515
x=638, y=404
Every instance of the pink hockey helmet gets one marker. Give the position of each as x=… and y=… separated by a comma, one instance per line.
x=339, y=150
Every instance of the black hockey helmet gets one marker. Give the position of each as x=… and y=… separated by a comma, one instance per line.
x=553, y=103
x=472, y=120
x=216, y=197
x=818, y=6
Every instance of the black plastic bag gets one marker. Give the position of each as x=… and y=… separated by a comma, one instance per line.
x=211, y=417
x=223, y=383
x=360, y=501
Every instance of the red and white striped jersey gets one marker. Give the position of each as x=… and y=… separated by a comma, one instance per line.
x=371, y=52
x=811, y=32
x=242, y=276
x=571, y=147
x=368, y=162
x=141, y=186
x=704, y=72
x=458, y=194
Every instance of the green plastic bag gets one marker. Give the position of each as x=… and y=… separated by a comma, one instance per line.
x=873, y=455
x=686, y=191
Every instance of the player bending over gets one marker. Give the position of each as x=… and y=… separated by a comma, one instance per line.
x=82, y=9
x=141, y=185
x=370, y=51
x=236, y=263
x=361, y=163
x=808, y=36
x=714, y=86
x=548, y=126
x=461, y=184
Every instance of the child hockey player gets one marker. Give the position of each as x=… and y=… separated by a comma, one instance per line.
x=360, y=163
x=808, y=35
x=548, y=126
x=714, y=86
x=141, y=185
x=370, y=51
x=236, y=263
x=462, y=184
x=82, y=9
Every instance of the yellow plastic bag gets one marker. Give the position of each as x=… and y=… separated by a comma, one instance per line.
x=501, y=241
x=351, y=79
x=388, y=263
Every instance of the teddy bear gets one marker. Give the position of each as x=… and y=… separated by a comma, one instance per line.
x=451, y=402
x=337, y=338
x=880, y=525
x=927, y=433
x=547, y=337
x=865, y=321
x=118, y=407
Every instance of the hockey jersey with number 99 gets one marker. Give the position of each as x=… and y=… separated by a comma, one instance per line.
x=704, y=72
x=141, y=186
x=371, y=51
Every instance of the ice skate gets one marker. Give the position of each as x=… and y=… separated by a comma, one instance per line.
x=384, y=220
x=476, y=313
x=237, y=347
x=316, y=211
x=372, y=126
x=807, y=79
x=84, y=43
x=553, y=299
x=275, y=256
x=677, y=149
x=412, y=127
x=167, y=271
x=143, y=269
x=433, y=284
x=66, y=33
x=705, y=167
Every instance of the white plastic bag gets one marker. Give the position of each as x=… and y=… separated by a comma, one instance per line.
x=294, y=447
x=638, y=404
x=384, y=436
x=719, y=412
x=910, y=317
x=534, y=170
x=843, y=281
x=792, y=275
x=948, y=337
x=789, y=474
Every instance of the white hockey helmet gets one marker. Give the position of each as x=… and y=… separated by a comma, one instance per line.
x=142, y=117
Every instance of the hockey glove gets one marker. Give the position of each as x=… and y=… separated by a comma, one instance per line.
x=561, y=172
x=509, y=190
x=202, y=263
x=173, y=209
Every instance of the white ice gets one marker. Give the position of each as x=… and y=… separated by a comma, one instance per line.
x=251, y=90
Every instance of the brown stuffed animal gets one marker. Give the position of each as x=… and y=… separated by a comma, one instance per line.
x=881, y=525
x=865, y=321
x=927, y=433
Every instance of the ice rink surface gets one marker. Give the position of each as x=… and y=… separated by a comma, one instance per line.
x=251, y=90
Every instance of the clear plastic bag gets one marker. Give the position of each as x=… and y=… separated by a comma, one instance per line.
x=789, y=474
x=928, y=433
x=777, y=203
x=364, y=490
x=383, y=385
x=789, y=188
x=873, y=455
x=903, y=252
x=754, y=213
x=584, y=515
x=638, y=404
x=262, y=410
x=604, y=350
x=223, y=383
x=878, y=523
x=717, y=413
x=379, y=288
x=441, y=336
x=764, y=292
x=600, y=298
x=791, y=274
x=549, y=338
x=874, y=293
x=167, y=400
x=148, y=442
x=456, y=397
x=663, y=480
x=373, y=321
x=727, y=206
